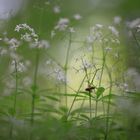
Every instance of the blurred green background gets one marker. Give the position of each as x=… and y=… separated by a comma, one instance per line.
x=39, y=14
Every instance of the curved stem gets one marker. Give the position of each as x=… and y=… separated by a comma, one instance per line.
x=75, y=96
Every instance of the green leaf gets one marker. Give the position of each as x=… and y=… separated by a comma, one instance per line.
x=109, y=96
x=78, y=110
x=63, y=109
x=85, y=116
x=34, y=88
x=99, y=92
x=87, y=94
x=52, y=98
x=72, y=95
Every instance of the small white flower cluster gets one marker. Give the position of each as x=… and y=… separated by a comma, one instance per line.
x=77, y=16
x=18, y=65
x=53, y=70
x=82, y=64
x=133, y=28
x=97, y=33
x=41, y=44
x=44, y=44
x=62, y=24
x=113, y=30
x=9, y=48
x=138, y=28
x=60, y=75
x=117, y=20
x=71, y=30
x=86, y=65
x=133, y=24
x=14, y=43
x=56, y=9
x=29, y=35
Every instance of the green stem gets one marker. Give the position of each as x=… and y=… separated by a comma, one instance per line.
x=76, y=96
x=108, y=106
x=90, y=105
x=16, y=88
x=15, y=98
x=101, y=76
x=66, y=69
x=34, y=88
x=96, y=108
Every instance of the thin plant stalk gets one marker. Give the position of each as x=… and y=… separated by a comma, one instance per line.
x=34, y=91
x=66, y=69
x=76, y=96
x=15, y=97
x=101, y=76
x=90, y=105
x=109, y=101
x=34, y=88
x=16, y=88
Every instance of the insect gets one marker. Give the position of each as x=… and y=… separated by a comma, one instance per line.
x=90, y=88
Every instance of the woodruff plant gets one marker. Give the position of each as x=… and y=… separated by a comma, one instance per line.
x=88, y=111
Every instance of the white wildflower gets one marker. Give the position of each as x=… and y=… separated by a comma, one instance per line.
x=14, y=43
x=27, y=37
x=18, y=27
x=60, y=75
x=44, y=44
x=53, y=33
x=117, y=19
x=62, y=24
x=134, y=23
x=29, y=34
x=138, y=28
x=77, y=16
x=71, y=30
x=56, y=9
x=90, y=39
x=99, y=26
x=48, y=62
x=113, y=30
x=18, y=65
x=86, y=64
